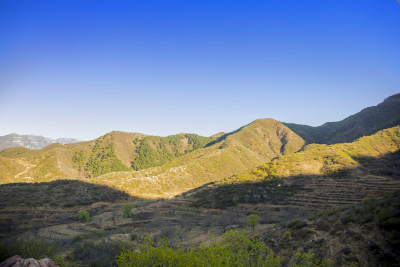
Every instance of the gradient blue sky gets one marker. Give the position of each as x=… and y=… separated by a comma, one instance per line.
x=84, y=68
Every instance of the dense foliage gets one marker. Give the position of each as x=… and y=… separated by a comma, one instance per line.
x=236, y=249
x=154, y=151
x=198, y=141
x=100, y=161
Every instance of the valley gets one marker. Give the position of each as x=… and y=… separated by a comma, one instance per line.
x=322, y=193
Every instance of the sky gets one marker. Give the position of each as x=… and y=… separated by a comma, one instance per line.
x=83, y=68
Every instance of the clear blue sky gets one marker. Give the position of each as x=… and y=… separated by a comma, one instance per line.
x=82, y=68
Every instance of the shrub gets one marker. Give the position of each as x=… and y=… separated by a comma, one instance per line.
x=39, y=250
x=236, y=249
x=287, y=234
x=252, y=221
x=127, y=209
x=297, y=224
x=83, y=215
x=308, y=259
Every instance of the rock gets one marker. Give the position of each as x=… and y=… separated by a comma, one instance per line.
x=17, y=261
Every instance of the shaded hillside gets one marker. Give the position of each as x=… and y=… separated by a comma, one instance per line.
x=365, y=233
x=365, y=122
x=236, y=152
x=319, y=177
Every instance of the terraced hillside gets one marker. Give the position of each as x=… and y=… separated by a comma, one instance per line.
x=366, y=122
x=318, y=178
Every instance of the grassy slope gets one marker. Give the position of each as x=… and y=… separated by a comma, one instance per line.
x=365, y=122
x=112, y=152
x=312, y=169
x=237, y=152
x=318, y=159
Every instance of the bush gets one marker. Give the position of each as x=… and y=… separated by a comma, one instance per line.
x=127, y=209
x=236, y=249
x=287, y=234
x=297, y=224
x=83, y=215
x=308, y=259
x=252, y=221
x=39, y=250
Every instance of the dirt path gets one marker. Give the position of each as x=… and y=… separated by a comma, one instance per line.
x=28, y=167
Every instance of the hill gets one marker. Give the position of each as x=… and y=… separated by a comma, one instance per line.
x=113, y=152
x=236, y=152
x=366, y=122
x=155, y=166
x=316, y=178
x=31, y=141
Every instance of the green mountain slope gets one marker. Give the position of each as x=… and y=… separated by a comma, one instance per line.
x=232, y=153
x=365, y=122
x=113, y=152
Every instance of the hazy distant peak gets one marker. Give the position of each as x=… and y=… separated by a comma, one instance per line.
x=31, y=141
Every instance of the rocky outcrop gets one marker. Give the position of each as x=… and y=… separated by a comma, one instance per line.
x=17, y=261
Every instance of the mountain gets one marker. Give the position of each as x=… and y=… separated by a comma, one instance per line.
x=366, y=122
x=31, y=141
x=318, y=177
x=235, y=152
x=155, y=166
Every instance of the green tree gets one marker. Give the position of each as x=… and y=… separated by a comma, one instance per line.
x=83, y=215
x=235, y=249
x=127, y=209
x=252, y=221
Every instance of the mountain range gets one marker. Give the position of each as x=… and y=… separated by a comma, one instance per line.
x=319, y=192
x=154, y=166
x=31, y=141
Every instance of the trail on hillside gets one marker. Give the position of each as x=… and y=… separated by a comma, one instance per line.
x=28, y=167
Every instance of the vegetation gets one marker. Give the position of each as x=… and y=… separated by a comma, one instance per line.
x=197, y=141
x=297, y=224
x=252, y=221
x=79, y=158
x=103, y=160
x=83, y=215
x=127, y=209
x=324, y=160
x=231, y=192
x=236, y=249
x=308, y=259
x=155, y=151
x=36, y=249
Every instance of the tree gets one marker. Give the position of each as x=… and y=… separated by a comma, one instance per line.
x=83, y=215
x=252, y=221
x=127, y=209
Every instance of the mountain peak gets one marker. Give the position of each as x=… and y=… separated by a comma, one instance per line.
x=393, y=98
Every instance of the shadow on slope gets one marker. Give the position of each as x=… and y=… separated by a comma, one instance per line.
x=311, y=193
x=24, y=205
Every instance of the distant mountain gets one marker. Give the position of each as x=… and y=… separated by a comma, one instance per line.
x=31, y=141
x=366, y=122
